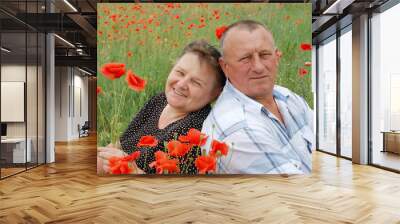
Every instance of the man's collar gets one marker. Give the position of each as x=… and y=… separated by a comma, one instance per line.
x=279, y=93
x=242, y=97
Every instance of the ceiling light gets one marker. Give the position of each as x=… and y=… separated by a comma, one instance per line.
x=70, y=5
x=338, y=6
x=5, y=49
x=64, y=40
x=84, y=71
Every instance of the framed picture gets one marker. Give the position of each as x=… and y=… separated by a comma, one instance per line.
x=159, y=79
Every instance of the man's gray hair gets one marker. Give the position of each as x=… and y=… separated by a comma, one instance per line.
x=249, y=25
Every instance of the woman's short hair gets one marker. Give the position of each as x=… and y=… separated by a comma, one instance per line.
x=209, y=54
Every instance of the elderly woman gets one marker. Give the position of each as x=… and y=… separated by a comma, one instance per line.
x=193, y=83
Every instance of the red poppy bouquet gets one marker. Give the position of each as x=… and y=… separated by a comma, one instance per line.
x=176, y=151
x=168, y=162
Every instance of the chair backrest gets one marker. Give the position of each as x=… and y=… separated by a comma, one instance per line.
x=86, y=125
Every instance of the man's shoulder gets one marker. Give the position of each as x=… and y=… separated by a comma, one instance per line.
x=289, y=96
x=226, y=113
x=284, y=92
x=228, y=106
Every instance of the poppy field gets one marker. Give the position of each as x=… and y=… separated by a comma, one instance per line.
x=137, y=45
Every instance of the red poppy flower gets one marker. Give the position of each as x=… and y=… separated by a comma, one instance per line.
x=147, y=141
x=176, y=148
x=176, y=16
x=302, y=72
x=183, y=138
x=121, y=165
x=196, y=137
x=205, y=164
x=168, y=166
x=305, y=46
x=113, y=17
x=191, y=26
x=131, y=157
x=135, y=82
x=163, y=164
x=99, y=90
x=218, y=148
x=219, y=31
x=307, y=63
x=298, y=22
x=160, y=155
x=113, y=160
x=130, y=54
x=113, y=70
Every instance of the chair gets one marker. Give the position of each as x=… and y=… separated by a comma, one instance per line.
x=84, y=130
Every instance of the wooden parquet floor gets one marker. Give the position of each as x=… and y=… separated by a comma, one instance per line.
x=69, y=191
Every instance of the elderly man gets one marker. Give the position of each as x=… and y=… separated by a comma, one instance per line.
x=268, y=127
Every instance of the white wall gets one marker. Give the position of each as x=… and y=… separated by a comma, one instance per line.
x=70, y=83
x=61, y=103
x=81, y=82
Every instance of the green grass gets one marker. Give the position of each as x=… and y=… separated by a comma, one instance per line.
x=154, y=52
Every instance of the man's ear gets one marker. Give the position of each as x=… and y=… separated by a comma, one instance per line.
x=278, y=55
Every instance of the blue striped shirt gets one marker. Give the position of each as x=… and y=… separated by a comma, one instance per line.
x=259, y=142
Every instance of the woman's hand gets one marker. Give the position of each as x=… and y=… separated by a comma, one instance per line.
x=105, y=153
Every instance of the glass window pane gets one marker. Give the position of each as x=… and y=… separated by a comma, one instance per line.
x=385, y=89
x=346, y=93
x=13, y=87
x=327, y=96
x=31, y=97
x=23, y=88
